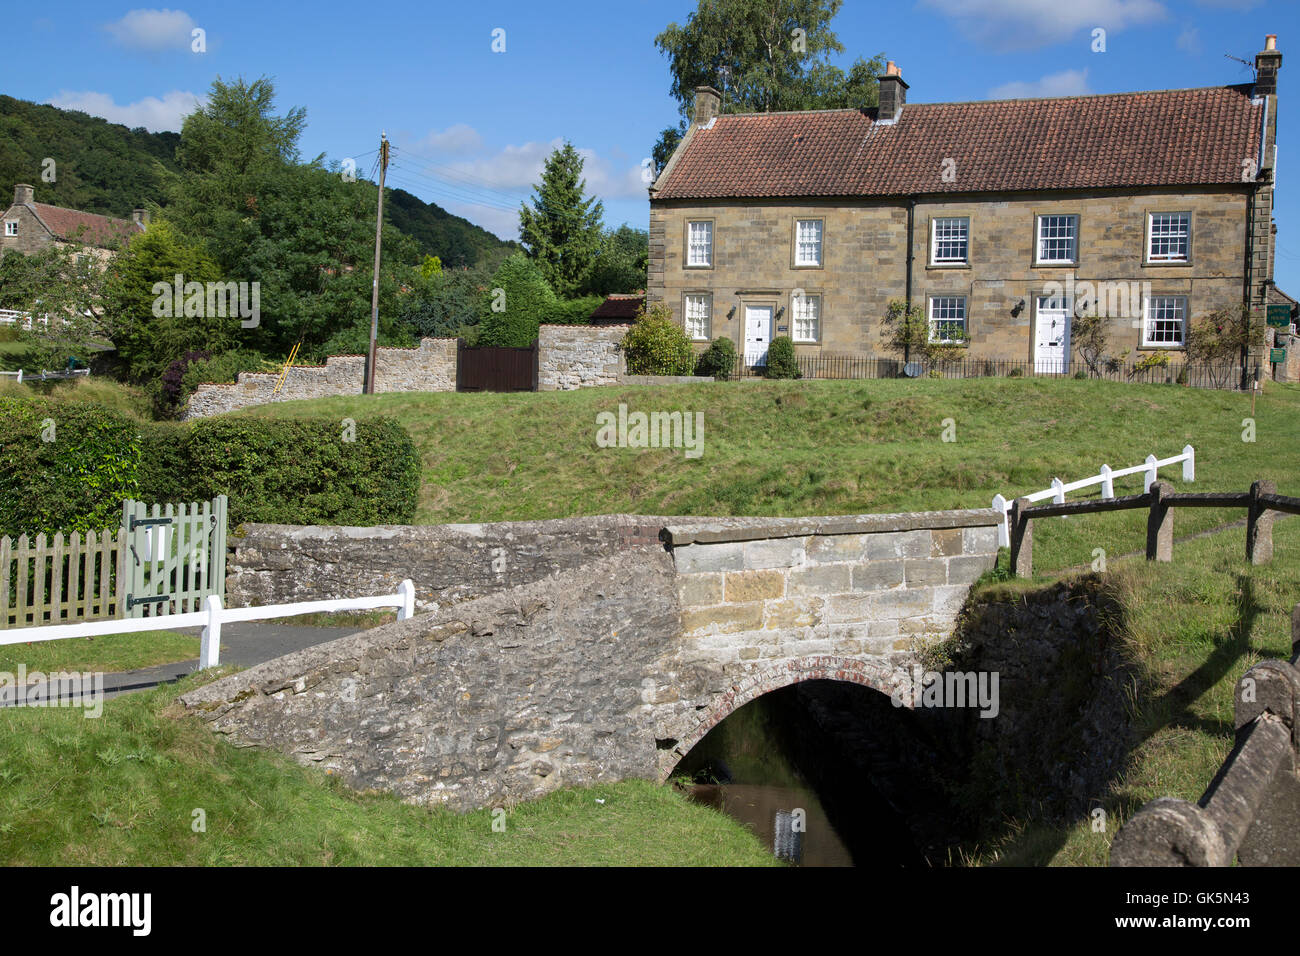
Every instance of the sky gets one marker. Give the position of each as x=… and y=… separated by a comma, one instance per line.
x=474, y=96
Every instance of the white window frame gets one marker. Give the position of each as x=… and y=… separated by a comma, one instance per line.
x=934, y=241
x=931, y=320
x=11, y=227
x=821, y=242
x=690, y=244
x=1147, y=341
x=1039, y=221
x=816, y=302
x=1187, y=239
x=707, y=299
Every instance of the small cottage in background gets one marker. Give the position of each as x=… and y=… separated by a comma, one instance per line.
x=30, y=226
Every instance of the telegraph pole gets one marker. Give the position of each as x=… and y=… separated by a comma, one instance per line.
x=369, y=386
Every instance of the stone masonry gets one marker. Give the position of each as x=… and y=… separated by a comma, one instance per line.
x=615, y=667
x=579, y=356
x=430, y=367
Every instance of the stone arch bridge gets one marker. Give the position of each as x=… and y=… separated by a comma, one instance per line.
x=609, y=668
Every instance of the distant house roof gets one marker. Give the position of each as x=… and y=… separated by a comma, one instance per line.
x=1277, y=297
x=1165, y=138
x=618, y=308
x=87, y=227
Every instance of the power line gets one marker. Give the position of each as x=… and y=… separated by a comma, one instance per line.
x=439, y=171
x=427, y=183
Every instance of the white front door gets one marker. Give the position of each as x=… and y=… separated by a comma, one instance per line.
x=1052, y=337
x=758, y=333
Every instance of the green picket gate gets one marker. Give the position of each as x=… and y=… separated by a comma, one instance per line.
x=175, y=556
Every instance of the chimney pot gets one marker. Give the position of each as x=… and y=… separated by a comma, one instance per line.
x=708, y=104
x=24, y=194
x=891, y=69
x=1270, y=42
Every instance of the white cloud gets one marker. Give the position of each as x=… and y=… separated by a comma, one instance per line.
x=1024, y=24
x=153, y=113
x=153, y=30
x=460, y=138
x=1189, y=41
x=1065, y=83
x=1241, y=5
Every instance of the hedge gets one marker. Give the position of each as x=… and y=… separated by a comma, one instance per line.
x=304, y=471
x=64, y=466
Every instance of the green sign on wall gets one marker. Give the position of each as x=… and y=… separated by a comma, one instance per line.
x=1277, y=355
x=1279, y=316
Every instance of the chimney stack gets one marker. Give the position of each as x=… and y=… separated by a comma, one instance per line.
x=708, y=103
x=24, y=194
x=140, y=217
x=1267, y=63
x=893, y=94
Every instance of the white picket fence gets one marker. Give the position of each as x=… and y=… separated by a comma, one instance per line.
x=211, y=618
x=11, y=317
x=1105, y=477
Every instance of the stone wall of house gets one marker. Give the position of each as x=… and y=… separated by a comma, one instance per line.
x=579, y=356
x=614, y=657
x=865, y=263
x=430, y=367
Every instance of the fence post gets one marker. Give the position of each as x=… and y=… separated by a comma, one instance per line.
x=1004, y=532
x=1022, y=540
x=1259, y=525
x=1058, y=491
x=1189, y=463
x=210, y=643
x=1151, y=472
x=1107, y=483
x=1160, y=523
x=407, y=590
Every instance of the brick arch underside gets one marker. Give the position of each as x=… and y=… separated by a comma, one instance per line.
x=876, y=675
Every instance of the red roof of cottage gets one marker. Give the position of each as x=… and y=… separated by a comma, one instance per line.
x=87, y=227
x=1165, y=138
x=618, y=308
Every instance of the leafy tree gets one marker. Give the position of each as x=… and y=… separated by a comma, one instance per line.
x=520, y=299
x=62, y=288
x=146, y=340
x=1221, y=342
x=621, y=263
x=562, y=229
x=907, y=332
x=656, y=345
x=445, y=306
x=763, y=55
x=1089, y=336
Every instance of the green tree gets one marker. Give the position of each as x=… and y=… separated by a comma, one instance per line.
x=907, y=332
x=62, y=288
x=763, y=55
x=621, y=262
x=561, y=232
x=656, y=345
x=520, y=299
x=139, y=302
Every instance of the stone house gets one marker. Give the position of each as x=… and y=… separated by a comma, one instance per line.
x=1003, y=220
x=30, y=226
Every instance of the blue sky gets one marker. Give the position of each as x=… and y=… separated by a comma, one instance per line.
x=472, y=126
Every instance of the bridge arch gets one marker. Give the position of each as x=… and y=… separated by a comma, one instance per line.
x=689, y=730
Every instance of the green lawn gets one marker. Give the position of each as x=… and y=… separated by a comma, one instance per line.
x=1195, y=626
x=834, y=447
x=114, y=652
x=123, y=790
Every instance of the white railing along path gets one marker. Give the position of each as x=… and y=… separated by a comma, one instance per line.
x=211, y=618
x=1105, y=477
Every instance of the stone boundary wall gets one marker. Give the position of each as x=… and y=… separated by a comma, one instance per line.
x=1248, y=813
x=430, y=367
x=579, y=356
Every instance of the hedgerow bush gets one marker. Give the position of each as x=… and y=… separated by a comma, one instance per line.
x=780, y=359
x=64, y=466
x=718, y=360
x=300, y=471
x=656, y=345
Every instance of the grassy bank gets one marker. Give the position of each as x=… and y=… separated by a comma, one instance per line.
x=1194, y=627
x=828, y=447
x=113, y=652
x=123, y=789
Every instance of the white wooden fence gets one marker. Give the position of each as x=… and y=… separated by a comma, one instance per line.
x=1105, y=477
x=211, y=618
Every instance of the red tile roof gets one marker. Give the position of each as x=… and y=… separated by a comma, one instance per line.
x=618, y=308
x=1166, y=138
x=87, y=227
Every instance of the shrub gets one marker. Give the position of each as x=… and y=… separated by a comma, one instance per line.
x=64, y=466
x=780, y=359
x=1015, y=373
x=510, y=319
x=573, y=311
x=718, y=360
x=656, y=345
x=299, y=471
